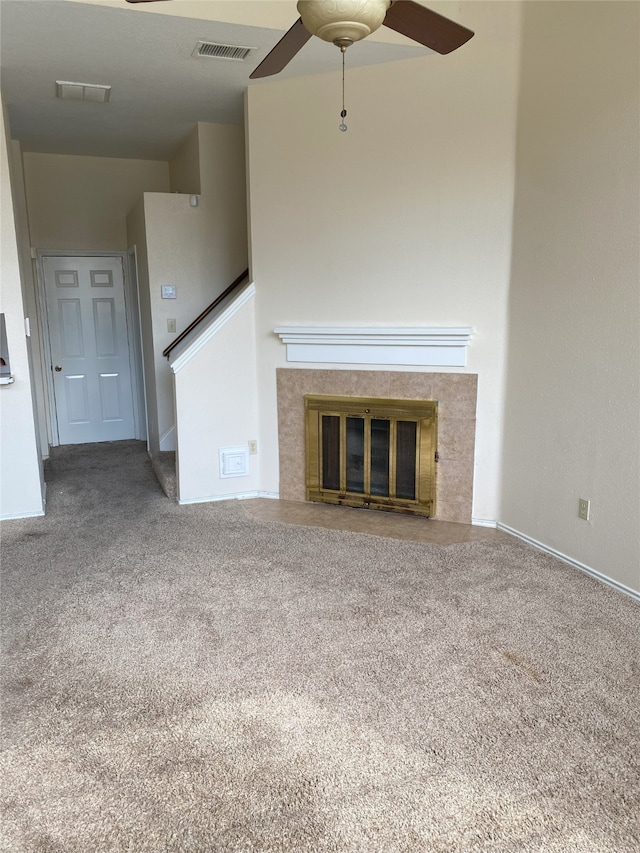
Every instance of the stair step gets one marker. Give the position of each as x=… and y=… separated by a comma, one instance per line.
x=164, y=467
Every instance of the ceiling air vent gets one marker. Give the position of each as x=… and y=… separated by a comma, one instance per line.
x=69, y=91
x=221, y=51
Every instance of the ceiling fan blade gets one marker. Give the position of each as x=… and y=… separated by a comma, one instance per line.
x=143, y=1
x=283, y=52
x=425, y=26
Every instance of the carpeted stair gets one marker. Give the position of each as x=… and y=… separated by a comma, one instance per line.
x=164, y=467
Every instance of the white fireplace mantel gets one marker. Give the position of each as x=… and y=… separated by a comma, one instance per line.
x=424, y=347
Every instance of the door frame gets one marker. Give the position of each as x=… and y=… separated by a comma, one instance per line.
x=133, y=334
x=134, y=331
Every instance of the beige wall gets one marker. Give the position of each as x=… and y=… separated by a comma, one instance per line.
x=28, y=276
x=403, y=220
x=217, y=407
x=223, y=182
x=199, y=250
x=81, y=203
x=184, y=167
x=20, y=470
x=573, y=394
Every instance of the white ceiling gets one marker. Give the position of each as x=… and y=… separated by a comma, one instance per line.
x=158, y=89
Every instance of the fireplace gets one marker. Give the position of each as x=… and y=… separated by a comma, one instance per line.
x=371, y=452
x=456, y=425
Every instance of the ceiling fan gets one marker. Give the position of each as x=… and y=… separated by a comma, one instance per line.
x=345, y=21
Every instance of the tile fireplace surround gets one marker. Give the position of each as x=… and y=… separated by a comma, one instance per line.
x=455, y=392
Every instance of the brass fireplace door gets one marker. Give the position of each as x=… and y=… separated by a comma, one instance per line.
x=373, y=453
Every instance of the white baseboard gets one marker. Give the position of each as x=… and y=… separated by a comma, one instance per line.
x=239, y=496
x=19, y=515
x=575, y=563
x=37, y=514
x=484, y=522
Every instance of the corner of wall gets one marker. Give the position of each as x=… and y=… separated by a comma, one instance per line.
x=184, y=167
x=22, y=492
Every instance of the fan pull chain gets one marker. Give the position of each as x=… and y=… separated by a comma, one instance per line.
x=342, y=126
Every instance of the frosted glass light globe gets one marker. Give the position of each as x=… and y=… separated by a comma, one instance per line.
x=342, y=19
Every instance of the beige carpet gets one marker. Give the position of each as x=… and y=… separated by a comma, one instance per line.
x=190, y=679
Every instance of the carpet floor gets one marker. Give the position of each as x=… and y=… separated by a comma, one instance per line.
x=191, y=679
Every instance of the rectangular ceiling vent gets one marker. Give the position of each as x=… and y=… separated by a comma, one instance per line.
x=69, y=91
x=221, y=51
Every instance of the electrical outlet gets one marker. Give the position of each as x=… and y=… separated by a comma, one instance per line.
x=171, y=325
x=253, y=447
x=584, y=509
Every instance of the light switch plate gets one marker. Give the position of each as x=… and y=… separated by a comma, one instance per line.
x=169, y=291
x=584, y=509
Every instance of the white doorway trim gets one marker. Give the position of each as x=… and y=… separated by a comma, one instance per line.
x=134, y=324
x=133, y=331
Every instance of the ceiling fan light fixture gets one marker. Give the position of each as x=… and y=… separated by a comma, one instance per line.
x=345, y=21
x=342, y=21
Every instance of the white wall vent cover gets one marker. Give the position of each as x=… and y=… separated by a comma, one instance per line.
x=221, y=51
x=234, y=461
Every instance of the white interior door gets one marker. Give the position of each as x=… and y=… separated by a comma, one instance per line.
x=89, y=348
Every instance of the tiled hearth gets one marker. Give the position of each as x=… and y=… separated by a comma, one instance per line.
x=455, y=392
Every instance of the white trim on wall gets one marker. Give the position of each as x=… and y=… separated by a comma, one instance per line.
x=191, y=345
x=575, y=563
x=421, y=347
x=138, y=386
x=16, y=516
x=484, y=522
x=239, y=496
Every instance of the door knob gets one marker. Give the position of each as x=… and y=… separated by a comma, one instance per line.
x=57, y=368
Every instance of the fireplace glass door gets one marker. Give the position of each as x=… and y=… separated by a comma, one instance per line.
x=372, y=452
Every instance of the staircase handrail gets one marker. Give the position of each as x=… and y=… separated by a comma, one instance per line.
x=174, y=343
